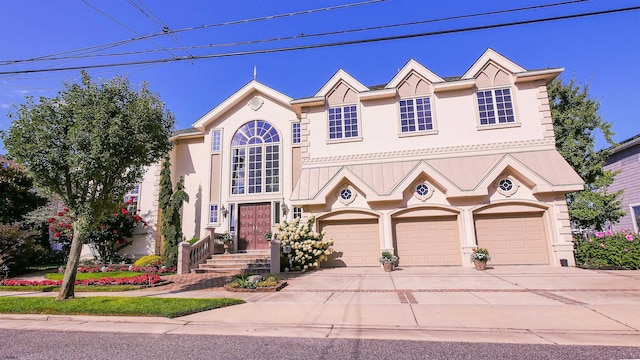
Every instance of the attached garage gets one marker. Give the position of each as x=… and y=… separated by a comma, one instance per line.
x=517, y=239
x=355, y=242
x=427, y=240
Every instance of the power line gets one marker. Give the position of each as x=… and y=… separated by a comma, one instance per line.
x=234, y=22
x=125, y=26
x=333, y=44
x=156, y=20
x=338, y=32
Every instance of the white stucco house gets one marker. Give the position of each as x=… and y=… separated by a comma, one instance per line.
x=422, y=166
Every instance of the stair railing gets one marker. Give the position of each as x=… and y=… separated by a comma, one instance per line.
x=190, y=256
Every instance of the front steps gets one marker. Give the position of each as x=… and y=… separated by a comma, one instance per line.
x=254, y=262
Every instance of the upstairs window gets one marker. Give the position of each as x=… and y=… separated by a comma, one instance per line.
x=255, y=159
x=343, y=122
x=415, y=115
x=295, y=133
x=216, y=140
x=495, y=107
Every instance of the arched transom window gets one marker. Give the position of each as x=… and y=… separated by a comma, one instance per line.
x=255, y=159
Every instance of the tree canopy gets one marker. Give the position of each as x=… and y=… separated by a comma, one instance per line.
x=89, y=145
x=576, y=122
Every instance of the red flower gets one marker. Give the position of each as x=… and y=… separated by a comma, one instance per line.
x=68, y=226
x=57, y=234
x=124, y=211
x=51, y=220
x=117, y=241
x=60, y=213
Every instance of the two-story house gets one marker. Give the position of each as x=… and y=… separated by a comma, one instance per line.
x=423, y=166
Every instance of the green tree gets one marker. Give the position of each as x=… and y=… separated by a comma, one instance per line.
x=17, y=195
x=89, y=145
x=576, y=122
x=170, y=203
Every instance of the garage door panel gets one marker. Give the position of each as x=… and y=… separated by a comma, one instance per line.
x=355, y=242
x=424, y=241
x=513, y=238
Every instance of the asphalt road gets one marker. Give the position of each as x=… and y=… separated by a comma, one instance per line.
x=40, y=345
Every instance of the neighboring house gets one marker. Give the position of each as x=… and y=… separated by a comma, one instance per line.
x=425, y=167
x=626, y=158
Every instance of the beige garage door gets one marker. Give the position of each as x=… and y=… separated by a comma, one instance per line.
x=428, y=241
x=513, y=238
x=355, y=242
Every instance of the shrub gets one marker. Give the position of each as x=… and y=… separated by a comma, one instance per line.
x=16, y=247
x=608, y=250
x=306, y=248
x=149, y=260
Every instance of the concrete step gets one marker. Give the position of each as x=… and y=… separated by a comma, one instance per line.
x=256, y=262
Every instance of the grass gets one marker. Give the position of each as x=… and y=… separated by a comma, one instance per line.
x=114, y=306
x=96, y=275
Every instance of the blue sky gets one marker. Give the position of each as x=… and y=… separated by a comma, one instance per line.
x=603, y=50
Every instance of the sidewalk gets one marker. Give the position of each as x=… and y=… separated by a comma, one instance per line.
x=507, y=304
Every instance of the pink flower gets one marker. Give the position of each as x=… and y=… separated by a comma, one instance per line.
x=603, y=246
x=590, y=240
x=608, y=233
x=626, y=250
x=599, y=234
x=629, y=237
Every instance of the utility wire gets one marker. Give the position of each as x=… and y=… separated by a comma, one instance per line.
x=161, y=24
x=338, y=32
x=125, y=26
x=144, y=37
x=342, y=43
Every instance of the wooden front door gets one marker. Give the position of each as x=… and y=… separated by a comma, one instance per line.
x=254, y=221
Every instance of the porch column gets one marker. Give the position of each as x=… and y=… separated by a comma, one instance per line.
x=386, y=233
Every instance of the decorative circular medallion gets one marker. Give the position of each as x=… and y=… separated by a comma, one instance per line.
x=346, y=194
x=506, y=185
x=255, y=103
x=422, y=189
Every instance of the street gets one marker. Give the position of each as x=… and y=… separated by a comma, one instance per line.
x=39, y=345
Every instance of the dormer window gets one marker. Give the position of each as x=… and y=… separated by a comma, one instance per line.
x=495, y=106
x=415, y=115
x=343, y=122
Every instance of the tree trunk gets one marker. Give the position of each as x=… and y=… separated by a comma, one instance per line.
x=68, y=282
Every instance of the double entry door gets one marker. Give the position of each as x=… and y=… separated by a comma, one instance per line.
x=253, y=221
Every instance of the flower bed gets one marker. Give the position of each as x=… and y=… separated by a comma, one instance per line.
x=608, y=250
x=138, y=280
x=124, y=267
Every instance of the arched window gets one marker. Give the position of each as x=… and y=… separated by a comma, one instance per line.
x=255, y=159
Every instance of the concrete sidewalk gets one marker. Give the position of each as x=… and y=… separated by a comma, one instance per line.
x=512, y=304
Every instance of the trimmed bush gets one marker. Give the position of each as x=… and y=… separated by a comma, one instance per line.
x=149, y=260
x=608, y=250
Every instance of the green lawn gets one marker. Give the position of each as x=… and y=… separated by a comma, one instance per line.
x=96, y=275
x=120, y=306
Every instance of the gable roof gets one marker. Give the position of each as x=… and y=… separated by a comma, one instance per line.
x=410, y=66
x=341, y=75
x=250, y=88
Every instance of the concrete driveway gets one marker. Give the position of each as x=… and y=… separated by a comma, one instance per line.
x=517, y=304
